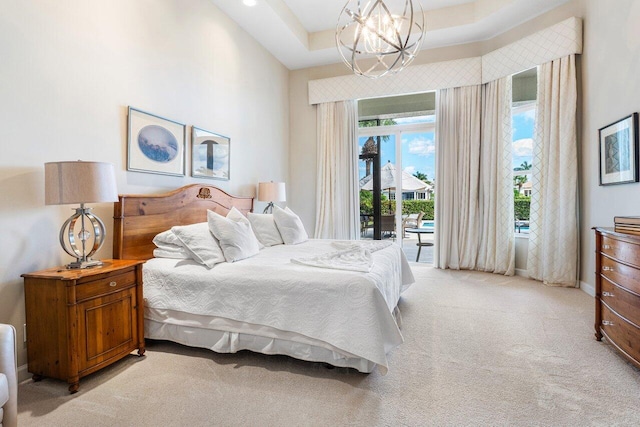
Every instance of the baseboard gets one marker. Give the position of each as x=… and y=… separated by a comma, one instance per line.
x=23, y=373
x=522, y=273
x=586, y=287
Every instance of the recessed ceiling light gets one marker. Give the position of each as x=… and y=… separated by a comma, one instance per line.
x=249, y=2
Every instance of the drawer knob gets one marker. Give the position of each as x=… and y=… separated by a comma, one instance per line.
x=606, y=246
x=113, y=284
x=607, y=268
x=607, y=323
x=607, y=294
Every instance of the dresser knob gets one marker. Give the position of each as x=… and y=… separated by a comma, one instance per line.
x=113, y=284
x=607, y=323
x=607, y=268
x=606, y=246
x=607, y=294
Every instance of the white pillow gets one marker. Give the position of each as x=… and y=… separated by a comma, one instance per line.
x=237, y=216
x=290, y=226
x=167, y=240
x=169, y=246
x=180, y=253
x=265, y=229
x=236, y=237
x=200, y=243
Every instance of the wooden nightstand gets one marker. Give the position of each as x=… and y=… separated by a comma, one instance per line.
x=79, y=321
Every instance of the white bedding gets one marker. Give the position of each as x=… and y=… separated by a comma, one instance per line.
x=282, y=307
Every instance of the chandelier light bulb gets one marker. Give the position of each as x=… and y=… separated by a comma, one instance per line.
x=375, y=41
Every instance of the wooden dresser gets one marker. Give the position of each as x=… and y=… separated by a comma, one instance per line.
x=618, y=291
x=79, y=321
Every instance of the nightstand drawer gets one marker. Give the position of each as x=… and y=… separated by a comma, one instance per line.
x=105, y=286
x=623, y=275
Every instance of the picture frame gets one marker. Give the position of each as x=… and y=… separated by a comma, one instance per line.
x=619, y=151
x=155, y=144
x=210, y=154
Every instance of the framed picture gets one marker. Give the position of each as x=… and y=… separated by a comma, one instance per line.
x=155, y=144
x=209, y=154
x=619, y=151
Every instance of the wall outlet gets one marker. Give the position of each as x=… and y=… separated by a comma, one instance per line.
x=24, y=332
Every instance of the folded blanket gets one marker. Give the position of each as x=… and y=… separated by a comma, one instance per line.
x=352, y=259
x=353, y=255
x=370, y=245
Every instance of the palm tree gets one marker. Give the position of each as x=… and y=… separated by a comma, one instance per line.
x=376, y=122
x=524, y=166
x=422, y=177
x=519, y=181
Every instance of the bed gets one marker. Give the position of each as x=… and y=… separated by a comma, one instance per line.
x=266, y=303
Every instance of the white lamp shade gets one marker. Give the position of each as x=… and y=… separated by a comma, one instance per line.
x=79, y=182
x=272, y=192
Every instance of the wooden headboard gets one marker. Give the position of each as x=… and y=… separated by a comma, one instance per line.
x=138, y=218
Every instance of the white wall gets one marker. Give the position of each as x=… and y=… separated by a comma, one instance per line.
x=68, y=71
x=610, y=91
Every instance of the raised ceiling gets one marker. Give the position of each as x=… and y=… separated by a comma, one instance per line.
x=301, y=33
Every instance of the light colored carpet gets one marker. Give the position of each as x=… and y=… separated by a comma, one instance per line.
x=480, y=349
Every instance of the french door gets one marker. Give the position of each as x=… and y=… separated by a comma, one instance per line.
x=392, y=158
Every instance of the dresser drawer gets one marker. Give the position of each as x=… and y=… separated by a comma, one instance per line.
x=622, y=302
x=104, y=286
x=621, y=250
x=622, y=334
x=623, y=275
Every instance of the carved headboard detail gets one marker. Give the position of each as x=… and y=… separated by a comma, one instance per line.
x=138, y=218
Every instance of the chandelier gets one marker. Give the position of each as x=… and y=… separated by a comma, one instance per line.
x=375, y=41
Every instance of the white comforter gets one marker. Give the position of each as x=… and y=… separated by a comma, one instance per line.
x=349, y=311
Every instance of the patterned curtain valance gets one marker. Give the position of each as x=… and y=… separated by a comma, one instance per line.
x=557, y=41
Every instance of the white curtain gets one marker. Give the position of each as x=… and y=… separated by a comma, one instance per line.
x=337, y=195
x=457, y=216
x=497, y=245
x=553, y=239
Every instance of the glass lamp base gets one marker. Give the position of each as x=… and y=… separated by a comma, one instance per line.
x=84, y=264
x=88, y=222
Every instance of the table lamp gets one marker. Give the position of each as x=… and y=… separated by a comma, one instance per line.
x=270, y=192
x=80, y=182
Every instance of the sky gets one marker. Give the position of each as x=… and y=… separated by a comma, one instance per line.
x=418, y=149
x=523, y=124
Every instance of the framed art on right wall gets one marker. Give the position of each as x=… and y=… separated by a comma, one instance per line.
x=619, y=151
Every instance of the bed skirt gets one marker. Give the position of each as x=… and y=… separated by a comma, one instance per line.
x=228, y=336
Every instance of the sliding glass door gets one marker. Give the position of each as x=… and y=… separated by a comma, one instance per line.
x=401, y=154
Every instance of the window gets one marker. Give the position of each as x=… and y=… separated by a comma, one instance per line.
x=407, y=146
x=523, y=124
